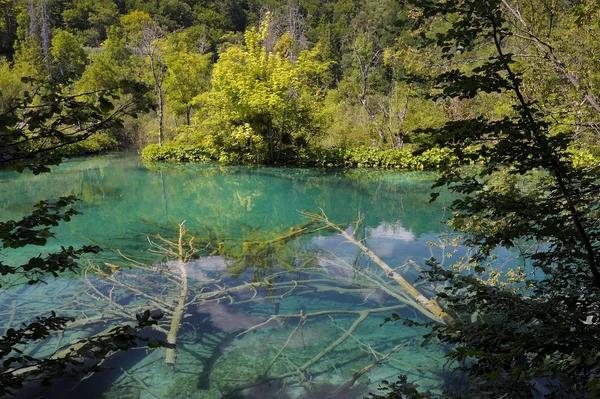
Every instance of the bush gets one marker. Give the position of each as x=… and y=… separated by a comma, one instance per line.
x=373, y=157
x=95, y=144
x=184, y=153
x=358, y=157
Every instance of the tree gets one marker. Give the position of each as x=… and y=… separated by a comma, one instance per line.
x=8, y=28
x=175, y=14
x=262, y=100
x=188, y=76
x=68, y=56
x=39, y=25
x=367, y=55
x=90, y=19
x=147, y=36
x=109, y=67
x=287, y=25
x=525, y=189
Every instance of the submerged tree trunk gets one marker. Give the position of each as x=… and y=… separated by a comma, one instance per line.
x=183, y=256
x=171, y=355
x=430, y=305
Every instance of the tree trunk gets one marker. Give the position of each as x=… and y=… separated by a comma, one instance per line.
x=365, y=68
x=171, y=355
x=159, y=94
x=161, y=114
x=45, y=32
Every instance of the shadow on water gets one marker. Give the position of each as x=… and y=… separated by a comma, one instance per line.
x=95, y=387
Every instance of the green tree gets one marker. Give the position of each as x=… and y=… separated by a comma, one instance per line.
x=90, y=19
x=261, y=100
x=175, y=14
x=110, y=66
x=68, y=57
x=147, y=38
x=525, y=189
x=8, y=28
x=188, y=76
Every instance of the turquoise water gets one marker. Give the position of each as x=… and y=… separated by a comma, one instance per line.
x=308, y=324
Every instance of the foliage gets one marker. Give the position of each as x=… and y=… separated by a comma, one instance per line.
x=370, y=157
x=261, y=102
x=518, y=336
x=329, y=84
x=34, y=229
x=529, y=188
x=155, y=153
x=134, y=24
x=187, y=78
x=108, y=67
x=35, y=130
x=359, y=157
x=10, y=84
x=400, y=389
x=96, y=144
x=84, y=358
x=363, y=55
x=36, y=127
x=517, y=144
x=68, y=57
x=89, y=19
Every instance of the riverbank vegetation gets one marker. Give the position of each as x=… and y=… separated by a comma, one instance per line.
x=269, y=82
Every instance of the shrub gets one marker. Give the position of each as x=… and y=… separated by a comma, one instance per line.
x=95, y=144
x=357, y=157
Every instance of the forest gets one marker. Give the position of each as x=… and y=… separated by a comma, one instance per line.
x=292, y=82
x=498, y=97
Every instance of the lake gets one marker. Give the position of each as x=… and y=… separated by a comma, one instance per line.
x=265, y=301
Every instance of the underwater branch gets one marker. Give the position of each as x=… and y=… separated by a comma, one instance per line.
x=430, y=304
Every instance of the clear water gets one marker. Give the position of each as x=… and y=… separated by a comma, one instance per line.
x=326, y=301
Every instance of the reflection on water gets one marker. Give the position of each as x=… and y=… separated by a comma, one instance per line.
x=290, y=318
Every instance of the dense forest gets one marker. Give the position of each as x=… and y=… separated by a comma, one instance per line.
x=259, y=81
x=500, y=96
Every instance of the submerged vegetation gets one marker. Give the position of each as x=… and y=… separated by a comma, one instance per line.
x=299, y=305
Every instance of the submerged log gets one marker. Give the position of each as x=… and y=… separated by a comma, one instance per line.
x=171, y=355
x=430, y=304
x=183, y=255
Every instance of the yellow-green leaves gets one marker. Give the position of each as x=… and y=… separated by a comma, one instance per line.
x=257, y=93
x=67, y=54
x=134, y=23
x=188, y=76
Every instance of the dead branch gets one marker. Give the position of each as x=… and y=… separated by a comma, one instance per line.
x=348, y=384
x=429, y=304
x=287, y=342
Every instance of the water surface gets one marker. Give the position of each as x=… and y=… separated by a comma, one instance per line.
x=308, y=324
